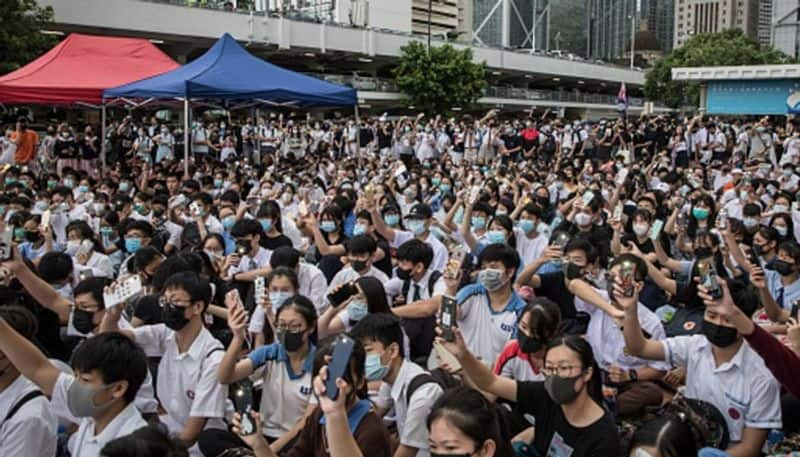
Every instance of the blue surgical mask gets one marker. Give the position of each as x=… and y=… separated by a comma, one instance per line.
x=496, y=237
x=277, y=299
x=132, y=244
x=416, y=226
x=357, y=310
x=359, y=229
x=392, y=220
x=527, y=225
x=374, y=370
x=328, y=226
x=266, y=224
x=228, y=222
x=83, y=188
x=445, y=188
x=217, y=183
x=124, y=187
x=478, y=222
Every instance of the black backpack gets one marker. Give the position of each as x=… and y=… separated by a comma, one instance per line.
x=438, y=376
x=549, y=146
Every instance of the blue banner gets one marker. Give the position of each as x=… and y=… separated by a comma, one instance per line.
x=774, y=96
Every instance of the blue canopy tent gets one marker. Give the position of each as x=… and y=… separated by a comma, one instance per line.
x=227, y=72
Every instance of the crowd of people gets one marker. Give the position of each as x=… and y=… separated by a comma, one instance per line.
x=500, y=285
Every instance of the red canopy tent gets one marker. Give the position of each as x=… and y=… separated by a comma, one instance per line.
x=81, y=67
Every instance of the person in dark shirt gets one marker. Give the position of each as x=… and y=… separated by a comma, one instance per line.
x=567, y=405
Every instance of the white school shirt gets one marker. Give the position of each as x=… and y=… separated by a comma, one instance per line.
x=285, y=395
x=411, y=416
x=485, y=330
x=347, y=274
x=187, y=383
x=312, y=282
x=608, y=341
x=440, y=254
x=394, y=287
x=743, y=390
x=99, y=264
x=247, y=263
x=31, y=432
x=84, y=442
x=530, y=249
x=783, y=295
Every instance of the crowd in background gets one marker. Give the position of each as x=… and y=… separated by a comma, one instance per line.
x=508, y=284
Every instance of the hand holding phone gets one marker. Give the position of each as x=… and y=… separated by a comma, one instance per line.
x=340, y=361
x=449, y=314
x=243, y=404
x=344, y=292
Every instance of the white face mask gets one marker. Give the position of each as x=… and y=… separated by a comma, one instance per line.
x=640, y=229
x=583, y=219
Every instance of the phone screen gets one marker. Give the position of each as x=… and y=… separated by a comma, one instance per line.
x=345, y=292
x=342, y=349
x=448, y=318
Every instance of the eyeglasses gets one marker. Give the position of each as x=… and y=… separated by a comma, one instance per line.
x=164, y=301
x=292, y=328
x=563, y=371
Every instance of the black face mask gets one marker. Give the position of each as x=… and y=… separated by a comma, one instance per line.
x=758, y=249
x=359, y=265
x=32, y=236
x=703, y=252
x=528, y=344
x=718, y=335
x=291, y=341
x=82, y=320
x=174, y=316
x=543, y=201
x=572, y=271
x=158, y=212
x=782, y=267
x=405, y=275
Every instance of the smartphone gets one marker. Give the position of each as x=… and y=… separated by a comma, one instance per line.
x=454, y=264
x=243, y=404
x=6, y=243
x=122, y=292
x=344, y=292
x=795, y=308
x=561, y=240
x=708, y=278
x=46, y=219
x=260, y=287
x=180, y=200
x=587, y=198
x=617, y=215
x=474, y=193
x=448, y=317
x=340, y=359
x=85, y=274
x=627, y=270
x=655, y=230
x=302, y=209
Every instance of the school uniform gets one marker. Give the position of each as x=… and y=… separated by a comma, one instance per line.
x=85, y=442
x=31, y=430
x=187, y=382
x=529, y=249
x=485, y=330
x=247, y=263
x=347, y=274
x=784, y=295
x=514, y=364
x=743, y=389
x=285, y=394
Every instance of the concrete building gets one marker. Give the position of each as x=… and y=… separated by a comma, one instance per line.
x=765, y=22
x=660, y=17
x=703, y=16
x=609, y=26
x=786, y=26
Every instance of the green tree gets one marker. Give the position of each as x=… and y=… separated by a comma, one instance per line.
x=730, y=47
x=21, y=40
x=441, y=80
x=566, y=23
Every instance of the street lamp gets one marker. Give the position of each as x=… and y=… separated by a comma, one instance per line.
x=632, y=17
x=430, y=10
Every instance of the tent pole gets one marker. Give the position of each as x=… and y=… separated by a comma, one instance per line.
x=103, y=138
x=358, y=135
x=186, y=138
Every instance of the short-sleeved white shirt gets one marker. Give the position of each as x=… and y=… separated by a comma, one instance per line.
x=84, y=442
x=529, y=249
x=485, y=330
x=187, y=383
x=247, y=263
x=440, y=254
x=394, y=287
x=608, y=341
x=743, y=390
x=411, y=416
x=313, y=284
x=285, y=395
x=347, y=274
x=31, y=431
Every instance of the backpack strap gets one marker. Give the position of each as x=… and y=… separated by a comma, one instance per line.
x=406, y=287
x=22, y=401
x=417, y=382
x=435, y=275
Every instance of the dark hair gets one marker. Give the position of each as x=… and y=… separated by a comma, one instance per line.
x=169, y=267
x=357, y=358
x=93, y=286
x=148, y=441
x=270, y=209
x=204, y=198
x=468, y=410
x=669, y=435
x=580, y=346
x=304, y=307
x=416, y=251
x=55, y=267
x=582, y=244
x=544, y=318
x=508, y=225
x=381, y=327
x=284, y=256
x=142, y=226
x=500, y=253
x=193, y=284
x=362, y=244
x=792, y=249
x=85, y=232
x=144, y=257
x=21, y=320
x=375, y=293
x=285, y=272
x=244, y=227
x=116, y=357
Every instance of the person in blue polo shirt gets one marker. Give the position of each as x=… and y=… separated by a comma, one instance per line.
x=286, y=399
x=488, y=310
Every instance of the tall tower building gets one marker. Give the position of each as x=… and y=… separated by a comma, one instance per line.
x=609, y=24
x=703, y=16
x=786, y=26
x=510, y=23
x=765, y=21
